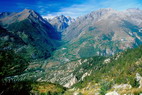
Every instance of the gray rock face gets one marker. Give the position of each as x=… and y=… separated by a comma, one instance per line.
x=103, y=32
x=139, y=79
x=121, y=87
x=63, y=74
x=71, y=82
x=104, y=21
x=60, y=23
x=112, y=93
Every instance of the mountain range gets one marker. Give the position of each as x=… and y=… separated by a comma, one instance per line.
x=104, y=32
x=98, y=53
x=38, y=36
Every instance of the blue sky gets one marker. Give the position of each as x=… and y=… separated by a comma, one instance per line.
x=73, y=8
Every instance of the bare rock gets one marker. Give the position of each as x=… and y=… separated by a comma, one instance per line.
x=112, y=93
x=139, y=79
x=122, y=86
x=71, y=82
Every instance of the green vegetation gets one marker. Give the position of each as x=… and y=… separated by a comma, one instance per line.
x=121, y=69
x=34, y=48
x=13, y=64
x=44, y=88
x=105, y=87
x=86, y=66
x=18, y=88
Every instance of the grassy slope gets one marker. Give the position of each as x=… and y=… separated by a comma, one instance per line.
x=121, y=69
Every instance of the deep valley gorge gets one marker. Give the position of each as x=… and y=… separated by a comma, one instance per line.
x=99, y=53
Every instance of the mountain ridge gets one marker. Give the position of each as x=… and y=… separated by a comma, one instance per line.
x=95, y=59
x=102, y=32
x=60, y=23
x=36, y=32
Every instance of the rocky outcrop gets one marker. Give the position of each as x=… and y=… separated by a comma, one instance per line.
x=112, y=93
x=76, y=93
x=60, y=23
x=85, y=75
x=71, y=82
x=139, y=79
x=122, y=87
x=107, y=61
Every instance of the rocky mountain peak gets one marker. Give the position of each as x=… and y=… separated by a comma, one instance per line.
x=8, y=18
x=133, y=9
x=63, y=18
x=99, y=14
x=29, y=13
x=28, y=10
x=103, y=11
x=61, y=22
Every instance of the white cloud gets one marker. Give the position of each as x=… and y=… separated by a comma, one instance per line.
x=121, y=4
x=91, y=5
x=77, y=10
x=73, y=11
x=49, y=16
